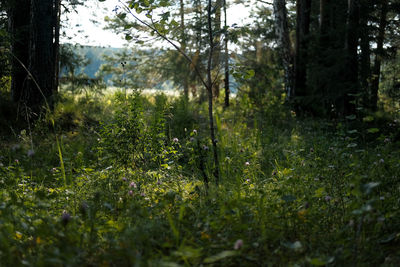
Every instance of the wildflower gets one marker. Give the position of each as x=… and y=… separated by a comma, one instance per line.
x=30, y=152
x=16, y=161
x=247, y=163
x=133, y=184
x=158, y=182
x=143, y=194
x=192, y=139
x=175, y=140
x=311, y=150
x=238, y=244
x=387, y=140
x=195, y=131
x=381, y=161
x=124, y=179
x=328, y=198
x=130, y=192
x=65, y=218
x=205, y=147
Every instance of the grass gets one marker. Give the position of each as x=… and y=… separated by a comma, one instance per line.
x=294, y=191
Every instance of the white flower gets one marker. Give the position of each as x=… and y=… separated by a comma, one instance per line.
x=175, y=140
x=238, y=244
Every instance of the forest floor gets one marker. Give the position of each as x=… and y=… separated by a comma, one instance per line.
x=120, y=182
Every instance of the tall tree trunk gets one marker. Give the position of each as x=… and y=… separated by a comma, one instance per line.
x=376, y=73
x=42, y=63
x=226, y=80
x=183, y=48
x=351, y=68
x=282, y=32
x=216, y=66
x=210, y=92
x=19, y=21
x=57, y=19
x=365, y=61
x=303, y=10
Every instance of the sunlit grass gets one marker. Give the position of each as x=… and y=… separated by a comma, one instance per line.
x=293, y=191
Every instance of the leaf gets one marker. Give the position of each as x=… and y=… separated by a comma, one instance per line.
x=296, y=246
x=388, y=238
x=373, y=130
x=368, y=119
x=128, y=37
x=319, y=192
x=351, y=117
x=249, y=74
x=369, y=186
x=351, y=145
x=220, y=256
x=321, y=262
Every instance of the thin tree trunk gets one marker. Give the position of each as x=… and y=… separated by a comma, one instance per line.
x=210, y=93
x=57, y=18
x=226, y=80
x=376, y=73
x=282, y=32
x=365, y=61
x=216, y=64
x=183, y=48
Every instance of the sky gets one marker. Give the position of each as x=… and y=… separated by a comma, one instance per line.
x=82, y=30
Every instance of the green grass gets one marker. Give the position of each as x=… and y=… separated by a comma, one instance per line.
x=294, y=191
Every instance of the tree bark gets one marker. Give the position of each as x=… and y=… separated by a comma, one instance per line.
x=42, y=62
x=365, y=55
x=210, y=92
x=216, y=66
x=282, y=32
x=376, y=73
x=183, y=48
x=19, y=26
x=57, y=19
x=303, y=9
x=226, y=80
x=351, y=68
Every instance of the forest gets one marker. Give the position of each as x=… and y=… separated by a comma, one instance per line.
x=270, y=142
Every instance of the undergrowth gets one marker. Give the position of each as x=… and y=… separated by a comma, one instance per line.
x=294, y=191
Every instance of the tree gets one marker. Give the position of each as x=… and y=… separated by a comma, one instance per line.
x=34, y=28
x=161, y=28
x=19, y=29
x=226, y=58
x=376, y=72
x=303, y=11
x=282, y=32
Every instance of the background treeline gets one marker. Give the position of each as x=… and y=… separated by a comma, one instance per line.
x=330, y=59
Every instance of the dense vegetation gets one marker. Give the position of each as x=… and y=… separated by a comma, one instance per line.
x=299, y=168
x=293, y=191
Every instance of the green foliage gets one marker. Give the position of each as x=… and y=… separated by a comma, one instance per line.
x=293, y=191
